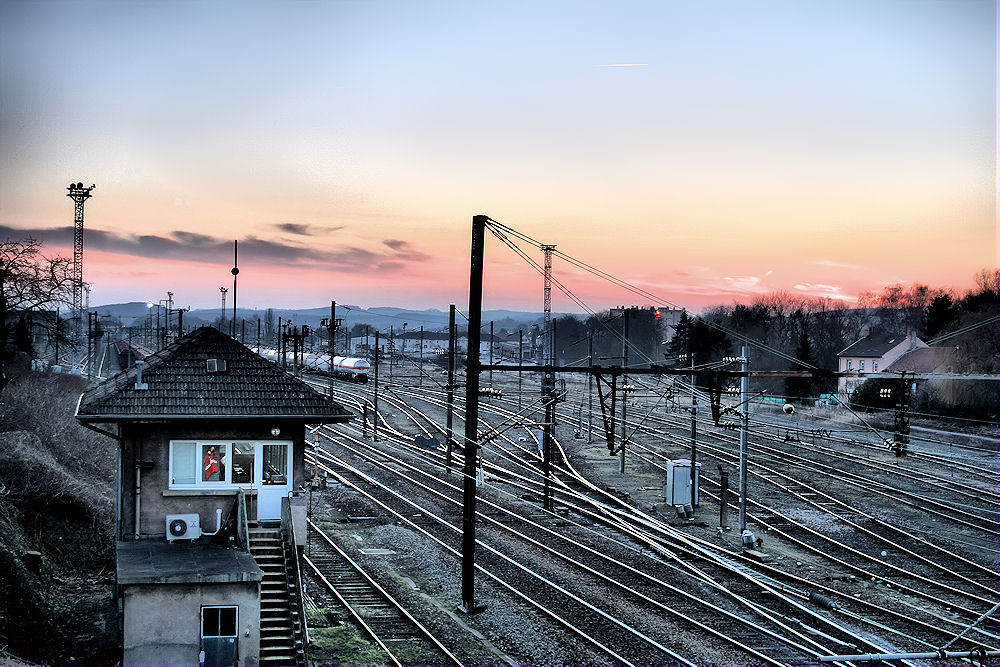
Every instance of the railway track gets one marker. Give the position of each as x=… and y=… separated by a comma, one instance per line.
x=401, y=636
x=933, y=622
x=587, y=648
x=740, y=632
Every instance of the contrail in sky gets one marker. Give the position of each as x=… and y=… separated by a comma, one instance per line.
x=626, y=65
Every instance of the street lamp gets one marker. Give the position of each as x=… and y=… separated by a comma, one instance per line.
x=166, y=325
x=165, y=304
x=180, y=320
x=222, y=315
x=150, y=304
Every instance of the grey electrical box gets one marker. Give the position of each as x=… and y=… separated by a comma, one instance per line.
x=677, y=488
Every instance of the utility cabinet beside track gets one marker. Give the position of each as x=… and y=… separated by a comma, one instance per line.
x=677, y=487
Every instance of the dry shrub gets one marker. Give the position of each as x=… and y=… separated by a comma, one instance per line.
x=33, y=477
x=44, y=405
x=56, y=497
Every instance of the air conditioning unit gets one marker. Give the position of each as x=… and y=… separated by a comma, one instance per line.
x=183, y=527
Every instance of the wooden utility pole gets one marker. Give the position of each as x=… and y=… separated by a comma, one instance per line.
x=472, y=369
x=331, y=330
x=451, y=387
x=694, y=439
x=744, y=429
x=590, y=389
x=375, y=392
x=520, y=361
x=621, y=448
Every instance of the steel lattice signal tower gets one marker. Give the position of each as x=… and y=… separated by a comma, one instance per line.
x=547, y=301
x=79, y=195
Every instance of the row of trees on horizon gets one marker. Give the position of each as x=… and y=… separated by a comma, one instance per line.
x=780, y=325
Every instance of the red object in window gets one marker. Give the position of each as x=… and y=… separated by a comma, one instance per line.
x=211, y=465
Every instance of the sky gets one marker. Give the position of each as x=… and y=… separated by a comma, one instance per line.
x=706, y=152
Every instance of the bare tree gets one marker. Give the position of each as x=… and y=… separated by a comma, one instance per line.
x=987, y=280
x=29, y=284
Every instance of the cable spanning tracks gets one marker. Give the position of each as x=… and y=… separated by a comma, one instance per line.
x=600, y=635
x=770, y=637
x=531, y=485
x=385, y=620
x=931, y=565
x=784, y=470
x=816, y=592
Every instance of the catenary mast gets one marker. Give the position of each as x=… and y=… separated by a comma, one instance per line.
x=79, y=195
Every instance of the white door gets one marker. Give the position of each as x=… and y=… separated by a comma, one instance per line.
x=275, y=475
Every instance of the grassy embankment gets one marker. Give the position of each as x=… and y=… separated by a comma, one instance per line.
x=56, y=498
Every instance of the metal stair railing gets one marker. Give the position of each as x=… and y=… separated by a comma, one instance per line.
x=294, y=549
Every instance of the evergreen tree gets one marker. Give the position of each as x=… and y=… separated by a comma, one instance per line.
x=941, y=312
x=798, y=388
x=680, y=344
x=707, y=342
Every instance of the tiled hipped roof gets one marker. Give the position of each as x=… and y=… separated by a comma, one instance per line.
x=874, y=345
x=925, y=360
x=179, y=386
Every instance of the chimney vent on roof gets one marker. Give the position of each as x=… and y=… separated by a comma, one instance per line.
x=215, y=365
x=139, y=384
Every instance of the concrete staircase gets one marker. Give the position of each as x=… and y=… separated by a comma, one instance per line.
x=280, y=625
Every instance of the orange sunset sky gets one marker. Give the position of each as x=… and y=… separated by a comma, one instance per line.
x=706, y=152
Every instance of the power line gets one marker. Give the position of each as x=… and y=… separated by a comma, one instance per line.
x=562, y=288
x=963, y=330
x=501, y=231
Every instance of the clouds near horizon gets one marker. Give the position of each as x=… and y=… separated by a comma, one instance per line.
x=203, y=248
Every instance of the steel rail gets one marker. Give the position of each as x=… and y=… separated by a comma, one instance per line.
x=756, y=607
x=479, y=568
x=873, y=486
x=866, y=462
x=930, y=479
x=395, y=603
x=864, y=556
x=645, y=538
x=602, y=576
x=929, y=545
x=825, y=554
x=527, y=570
x=946, y=512
x=883, y=610
x=880, y=537
x=771, y=473
x=357, y=617
x=778, y=574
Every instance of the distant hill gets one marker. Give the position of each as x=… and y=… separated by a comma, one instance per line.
x=381, y=317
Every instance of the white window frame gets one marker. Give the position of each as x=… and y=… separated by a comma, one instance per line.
x=200, y=484
x=861, y=366
x=875, y=366
x=236, y=625
x=236, y=628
